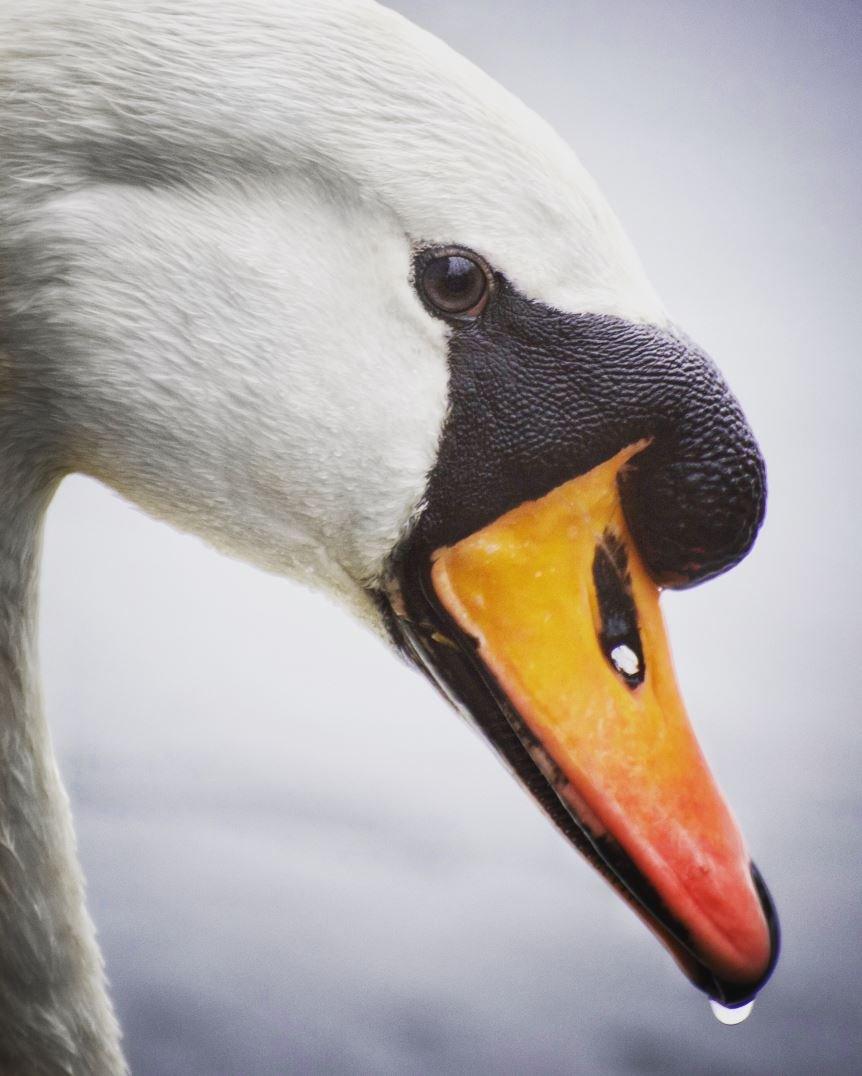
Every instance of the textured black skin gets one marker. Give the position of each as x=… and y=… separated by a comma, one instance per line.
x=538, y=397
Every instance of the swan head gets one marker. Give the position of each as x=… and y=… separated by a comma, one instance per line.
x=304, y=282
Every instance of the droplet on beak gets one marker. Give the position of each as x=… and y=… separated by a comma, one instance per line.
x=728, y=1016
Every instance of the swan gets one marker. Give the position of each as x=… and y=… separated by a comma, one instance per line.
x=298, y=279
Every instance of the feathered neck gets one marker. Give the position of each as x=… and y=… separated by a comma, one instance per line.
x=55, y=1015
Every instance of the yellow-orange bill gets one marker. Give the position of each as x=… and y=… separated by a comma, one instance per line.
x=568, y=622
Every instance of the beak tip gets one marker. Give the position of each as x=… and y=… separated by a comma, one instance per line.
x=734, y=993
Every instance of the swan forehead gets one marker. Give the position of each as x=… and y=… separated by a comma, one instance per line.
x=359, y=96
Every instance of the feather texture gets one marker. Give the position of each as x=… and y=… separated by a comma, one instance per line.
x=208, y=213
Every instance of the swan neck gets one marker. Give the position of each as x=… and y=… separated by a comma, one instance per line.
x=55, y=1015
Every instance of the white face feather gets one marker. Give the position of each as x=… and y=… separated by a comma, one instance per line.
x=211, y=216
x=257, y=368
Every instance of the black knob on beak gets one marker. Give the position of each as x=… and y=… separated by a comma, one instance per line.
x=695, y=498
x=538, y=396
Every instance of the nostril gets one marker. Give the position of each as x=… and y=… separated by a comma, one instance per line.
x=618, y=631
x=695, y=516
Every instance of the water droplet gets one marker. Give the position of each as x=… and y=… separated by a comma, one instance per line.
x=724, y=1015
x=625, y=660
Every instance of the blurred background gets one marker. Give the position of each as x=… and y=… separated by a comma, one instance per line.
x=299, y=860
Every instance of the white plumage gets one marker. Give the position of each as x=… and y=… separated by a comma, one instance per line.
x=207, y=218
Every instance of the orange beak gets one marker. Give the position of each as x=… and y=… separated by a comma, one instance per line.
x=565, y=624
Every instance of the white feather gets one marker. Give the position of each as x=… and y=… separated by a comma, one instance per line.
x=215, y=208
x=207, y=218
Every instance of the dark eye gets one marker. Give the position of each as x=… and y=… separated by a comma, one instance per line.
x=455, y=284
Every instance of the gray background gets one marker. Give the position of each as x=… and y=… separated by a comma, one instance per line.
x=298, y=859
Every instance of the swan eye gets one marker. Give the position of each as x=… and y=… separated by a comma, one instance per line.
x=454, y=283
